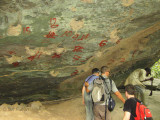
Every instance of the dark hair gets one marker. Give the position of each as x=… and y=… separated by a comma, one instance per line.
x=148, y=70
x=130, y=89
x=95, y=70
x=104, y=69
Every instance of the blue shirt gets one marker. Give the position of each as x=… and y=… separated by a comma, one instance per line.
x=87, y=96
x=90, y=78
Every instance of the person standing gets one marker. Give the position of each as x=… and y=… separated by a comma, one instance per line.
x=86, y=96
x=130, y=104
x=101, y=111
x=136, y=78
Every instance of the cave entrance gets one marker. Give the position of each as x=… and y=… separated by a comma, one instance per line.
x=155, y=71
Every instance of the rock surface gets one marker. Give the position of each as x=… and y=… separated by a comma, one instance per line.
x=71, y=110
x=158, y=87
x=48, y=47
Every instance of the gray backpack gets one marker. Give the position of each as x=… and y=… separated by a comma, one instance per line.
x=99, y=93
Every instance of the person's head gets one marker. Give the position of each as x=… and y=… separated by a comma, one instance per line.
x=148, y=71
x=105, y=70
x=95, y=71
x=129, y=91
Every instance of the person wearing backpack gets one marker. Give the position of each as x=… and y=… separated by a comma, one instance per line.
x=101, y=98
x=86, y=96
x=133, y=108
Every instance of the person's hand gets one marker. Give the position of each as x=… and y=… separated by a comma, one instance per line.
x=83, y=102
x=86, y=84
x=151, y=79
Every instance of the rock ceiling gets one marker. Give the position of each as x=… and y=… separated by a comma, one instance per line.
x=48, y=47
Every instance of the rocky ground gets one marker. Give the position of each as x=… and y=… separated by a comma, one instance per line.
x=71, y=109
x=67, y=110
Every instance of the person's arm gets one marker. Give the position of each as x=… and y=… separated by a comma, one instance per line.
x=86, y=87
x=127, y=115
x=149, y=79
x=118, y=94
x=143, y=77
x=83, y=89
x=89, y=87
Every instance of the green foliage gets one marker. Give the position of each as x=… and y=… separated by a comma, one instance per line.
x=156, y=69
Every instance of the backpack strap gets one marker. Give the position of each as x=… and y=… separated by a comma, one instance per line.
x=111, y=87
x=110, y=84
x=106, y=88
x=107, y=93
x=136, y=100
x=101, y=77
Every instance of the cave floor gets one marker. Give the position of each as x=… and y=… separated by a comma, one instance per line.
x=74, y=110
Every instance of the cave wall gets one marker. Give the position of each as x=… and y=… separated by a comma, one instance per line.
x=48, y=47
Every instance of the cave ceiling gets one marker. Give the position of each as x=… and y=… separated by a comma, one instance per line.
x=48, y=47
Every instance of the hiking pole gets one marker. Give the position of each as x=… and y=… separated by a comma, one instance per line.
x=151, y=88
